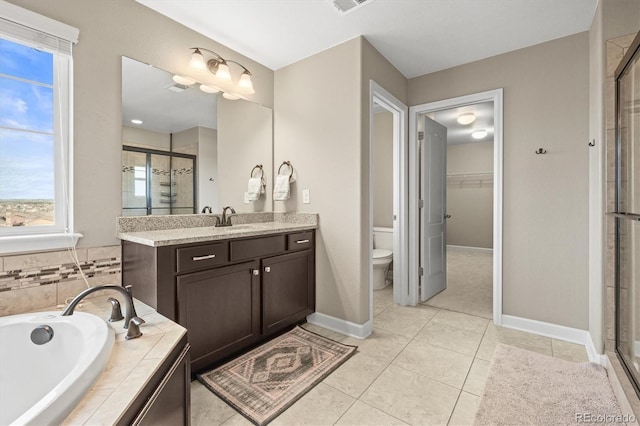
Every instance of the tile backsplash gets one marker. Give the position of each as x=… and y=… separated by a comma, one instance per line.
x=37, y=280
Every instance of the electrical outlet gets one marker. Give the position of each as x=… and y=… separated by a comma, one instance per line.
x=246, y=198
x=306, y=198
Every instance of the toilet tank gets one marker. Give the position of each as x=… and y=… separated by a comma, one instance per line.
x=383, y=238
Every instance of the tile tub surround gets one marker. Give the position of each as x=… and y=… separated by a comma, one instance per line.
x=33, y=281
x=182, y=229
x=131, y=364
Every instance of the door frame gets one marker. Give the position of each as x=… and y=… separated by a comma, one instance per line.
x=400, y=193
x=496, y=96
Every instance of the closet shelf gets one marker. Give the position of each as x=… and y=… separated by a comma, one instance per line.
x=469, y=177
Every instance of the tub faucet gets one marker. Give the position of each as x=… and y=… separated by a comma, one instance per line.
x=226, y=221
x=130, y=318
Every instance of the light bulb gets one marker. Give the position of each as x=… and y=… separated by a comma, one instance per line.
x=245, y=83
x=230, y=96
x=479, y=134
x=466, y=118
x=185, y=81
x=209, y=89
x=136, y=121
x=223, y=72
x=197, y=60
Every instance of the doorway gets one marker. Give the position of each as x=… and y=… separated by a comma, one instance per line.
x=430, y=214
x=383, y=102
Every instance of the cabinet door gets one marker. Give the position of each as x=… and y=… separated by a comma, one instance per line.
x=287, y=290
x=220, y=308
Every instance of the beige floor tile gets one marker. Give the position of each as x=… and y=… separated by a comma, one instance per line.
x=329, y=334
x=361, y=414
x=462, y=321
x=323, y=405
x=452, y=338
x=436, y=363
x=206, y=408
x=382, y=299
x=404, y=320
x=569, y=351
x=465, y=410
x=355, y=375
x=381, y=344
x=508, y=336
x=410, y=397
x=477, y=377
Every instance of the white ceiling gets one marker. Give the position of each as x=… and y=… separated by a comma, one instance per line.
x=146, y=97
x=417, y=36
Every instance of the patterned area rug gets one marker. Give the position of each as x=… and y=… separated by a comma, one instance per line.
x=527, y=388
x=264, y=382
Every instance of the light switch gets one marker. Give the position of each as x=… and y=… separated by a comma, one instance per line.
x=306, y=198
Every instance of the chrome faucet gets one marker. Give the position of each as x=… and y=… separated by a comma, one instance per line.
x=226, y=221
x=131, y=320
x=205, y=208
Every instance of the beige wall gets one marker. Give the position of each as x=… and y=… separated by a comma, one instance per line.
x=545, y=241
x=143, y=138
x=317, y=128
x=470, y=202
x=245, y=132
x=383, y=169
x=208, y=169
x=108, y=30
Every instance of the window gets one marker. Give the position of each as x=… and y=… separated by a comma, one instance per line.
x=35, y=131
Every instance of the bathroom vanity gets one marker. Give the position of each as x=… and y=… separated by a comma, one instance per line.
x=231, y=288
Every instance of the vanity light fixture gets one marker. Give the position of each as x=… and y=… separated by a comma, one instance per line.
x=479, y=134
x=209, y=89
x=466, y=118
x=219, y=67
x=185, y=81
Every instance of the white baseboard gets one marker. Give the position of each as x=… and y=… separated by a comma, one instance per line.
x=469, y=248
x=560, y=332
x=348, y=328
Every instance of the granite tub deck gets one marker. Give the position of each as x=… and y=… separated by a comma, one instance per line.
x=156, y=231
x=131, y=365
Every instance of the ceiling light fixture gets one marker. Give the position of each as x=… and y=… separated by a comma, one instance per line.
x=136, y=121
x=479, y=134
x=219, y=67
x=466, y=118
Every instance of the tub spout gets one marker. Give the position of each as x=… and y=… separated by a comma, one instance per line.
x=130, y=311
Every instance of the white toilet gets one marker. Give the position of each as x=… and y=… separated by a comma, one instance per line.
x=382, y=256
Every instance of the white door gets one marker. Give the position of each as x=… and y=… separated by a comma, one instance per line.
x=433, y=245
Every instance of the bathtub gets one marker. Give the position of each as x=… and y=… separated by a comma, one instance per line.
x=42, y=384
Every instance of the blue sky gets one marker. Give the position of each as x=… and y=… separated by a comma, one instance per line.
x=26, y=158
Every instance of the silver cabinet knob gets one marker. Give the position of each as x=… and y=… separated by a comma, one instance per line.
x=255, y=272
x=267, y=268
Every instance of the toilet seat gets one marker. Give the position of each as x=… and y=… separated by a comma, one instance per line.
x=382, y=256
x=380, y=253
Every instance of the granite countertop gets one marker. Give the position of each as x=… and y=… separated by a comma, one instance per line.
x=131, y=364
x=183, y=229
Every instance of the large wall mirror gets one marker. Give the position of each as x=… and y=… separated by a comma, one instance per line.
x=184, y=149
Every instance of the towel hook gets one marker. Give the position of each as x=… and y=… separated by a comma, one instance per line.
x=541, y=151
x=260, y=169
x=592, y=143
x=288, y=164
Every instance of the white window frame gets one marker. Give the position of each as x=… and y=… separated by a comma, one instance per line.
x=31, y=29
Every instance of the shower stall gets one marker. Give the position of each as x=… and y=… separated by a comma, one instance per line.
x=157, y=182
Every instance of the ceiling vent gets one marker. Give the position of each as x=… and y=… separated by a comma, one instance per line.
x=178, y=88
x=346, y=6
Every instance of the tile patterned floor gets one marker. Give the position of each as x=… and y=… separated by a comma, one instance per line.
x=421, y=366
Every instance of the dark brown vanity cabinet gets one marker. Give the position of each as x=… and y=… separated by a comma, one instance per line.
x=228, y=294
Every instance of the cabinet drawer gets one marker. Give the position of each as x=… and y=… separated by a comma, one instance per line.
x=257, y=247
x=300, y=241
x=192, y=258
